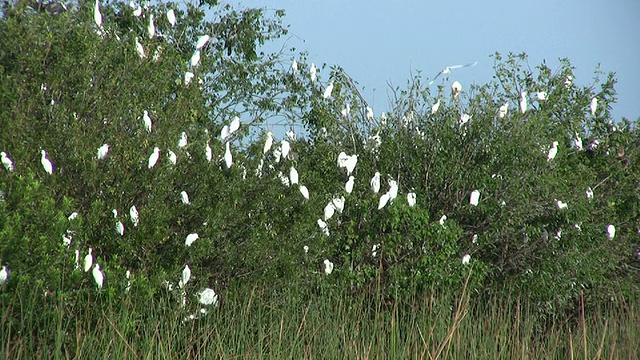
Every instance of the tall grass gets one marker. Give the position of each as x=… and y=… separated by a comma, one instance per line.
x=255, y=323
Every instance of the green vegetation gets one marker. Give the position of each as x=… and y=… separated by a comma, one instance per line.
x=518, y=275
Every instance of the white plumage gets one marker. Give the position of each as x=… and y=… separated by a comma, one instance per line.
x=8, y=164
x=102, y=151
x=375, y=183
x=191, y=238
x=153, y=159
x=98, y=276
x=88, y=260
x=46, y=163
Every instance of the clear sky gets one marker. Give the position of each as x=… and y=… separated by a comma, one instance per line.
x=377, y=42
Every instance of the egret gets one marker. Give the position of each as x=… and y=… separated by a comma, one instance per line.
x=8, y=164
x=172, y=157
x=383, y=119
x=350, y=163
x=202, y=41
x=348, y=187
x=523, y=102
x=474, y=239
x=456, y=89
x=208, y=297
x=393, y=189
x=369, y=113
x=442, y=220
x=502, y=112
x=171, y=16
x=153, y=159
x=228, y=159
x=561, y=205
x=4, y=275
x=294, y=67
x=384, y=199
x=147, y=121
x=375, y=183
x=466, y=259
x=186, y=275
x=594, y=106
x=46, y=164
x=183, y=140
x=589, y=193
x=268, y=143
x=553, y=151
x=208, y=153
x=235, y=125
x=184, y=197
x=306, y=249
x=138, y=11
x=328, y=90
x=140, y=49
x=128, y=276
x=224, y=133
x=374, y=250
x=98, y=276
x=611, y=231
x=73, y=216
x=313, y=72
x=338, y=203
x=328, y=267
x=188, y=76
x=329, y=210
x=97, y=15
x=324, y=227
x=475, y=196
x=102, y=151
x=435, y=107
x=541, y=95
x=293, y=175
x=135, y=217
x=66, y=240
x=191, y=238
x=151, y=28
x=447, y=70
x=120, y=228
x=195, y=58
x=464, y=119
x=411, y=199
x=286, y=147
x=88, y=261
x=304, y=191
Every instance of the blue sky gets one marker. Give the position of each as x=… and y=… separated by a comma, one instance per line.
x=378, y=42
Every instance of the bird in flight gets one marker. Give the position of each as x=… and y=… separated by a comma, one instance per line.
x=447, y=70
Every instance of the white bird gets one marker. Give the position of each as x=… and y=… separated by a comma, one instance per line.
x=375, y=182
x=393, y=189
x=184, y=197
x=348, y=187
x=140, y=49
x=73, y=216
x=135, y=217
x=306, y=249
x=338, y=203
x=304, y=191
x=329, y=211
x=611, y=231
x=350, y=163
x=456, y=89
x=208, y=153
x=466, y=259
x=172, y=157
x=268, y=143
x=202, y=41
x=153, y=159
x=561, y=205
x=286, y=147
x=589, y=193
x=293, y=175
x=171, y=16
x=120, y=228
x=594, y=106
x=151, y=28
x=191, y=238
x=98, y=276
x=384, y=199
x=541, y=95
x=66, y=240
x=228, y=159
x=328, y=91
x=102, y=151
x=208, y=297
x=374, y=250
x=553, y=151
x=224, y=133
x=235, y=125
x=475, y=196
x=46, y=164
x=369, y=113
x=137, y=12
x=464, y=119
x=578, y=142
x=8, y=164
x=435, y=107
x=294, y=67
x=523, y=102
x=195, y=58
x=88, y=261
x=183, y=140
x=4, y=275
x=328, y=267
x=442, y=220
x=502, y=112
x=313, y=72
x=324, y=227
x=186, y=275
x=188, y=76
x=147, y=121
x=411, y=199
x=97, y=15
x=447, y=70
